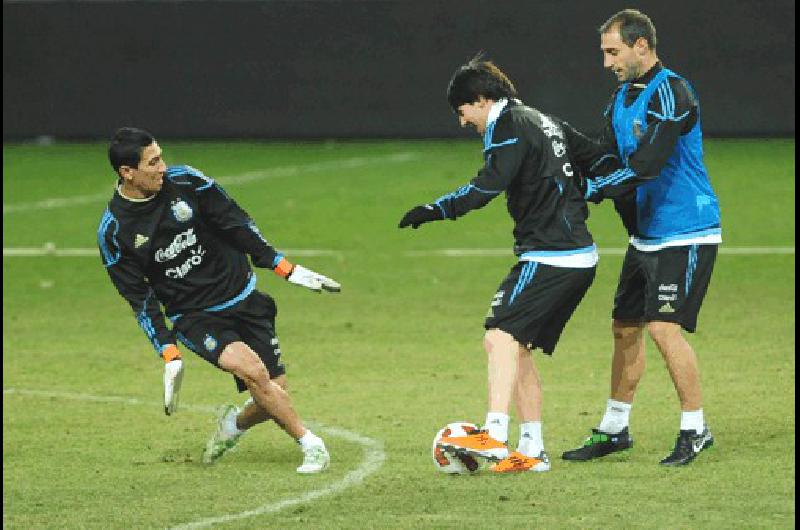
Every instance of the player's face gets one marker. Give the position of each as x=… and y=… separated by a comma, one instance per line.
x=146, y=179
x=623, y=60
x=475, y=114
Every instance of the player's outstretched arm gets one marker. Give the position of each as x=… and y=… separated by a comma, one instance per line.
x=173, y=377
x=299, y=275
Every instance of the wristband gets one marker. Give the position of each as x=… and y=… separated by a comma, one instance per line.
x=284, y=268
x=171, y=353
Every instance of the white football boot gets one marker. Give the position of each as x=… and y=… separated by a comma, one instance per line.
x=315, y=460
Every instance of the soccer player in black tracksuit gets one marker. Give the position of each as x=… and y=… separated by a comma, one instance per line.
x=172, y=237
x=534, y=158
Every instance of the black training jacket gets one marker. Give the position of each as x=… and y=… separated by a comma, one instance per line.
x=186, y=249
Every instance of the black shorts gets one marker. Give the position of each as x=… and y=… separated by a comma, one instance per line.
x=251, y=321
x=535, y=301
x=666, y=285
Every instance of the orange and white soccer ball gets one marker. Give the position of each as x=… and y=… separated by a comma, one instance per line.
x=448, y=462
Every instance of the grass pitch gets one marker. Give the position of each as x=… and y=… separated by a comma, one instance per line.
x=381, y=367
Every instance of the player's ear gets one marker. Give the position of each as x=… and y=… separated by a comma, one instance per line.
x=126, y=172
x=641, y=46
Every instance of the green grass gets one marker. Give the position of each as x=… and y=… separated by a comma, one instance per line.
x=394, y=357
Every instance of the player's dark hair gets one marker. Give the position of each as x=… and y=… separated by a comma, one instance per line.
x=633, y=25
x=127, y=146
x=478, y=78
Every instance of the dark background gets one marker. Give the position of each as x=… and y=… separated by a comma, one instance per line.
x=339, y=68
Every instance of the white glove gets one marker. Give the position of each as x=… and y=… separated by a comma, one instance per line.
x=316, y=282
x=173, y=377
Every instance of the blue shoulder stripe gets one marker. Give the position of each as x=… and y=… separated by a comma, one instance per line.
x=110, y=255
x=491, y=146
x=487, y=137
x=667, y=98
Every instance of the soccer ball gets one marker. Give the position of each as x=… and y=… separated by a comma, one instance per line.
x=447, y=462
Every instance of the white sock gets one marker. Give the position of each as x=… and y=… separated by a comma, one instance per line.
x=497, y=425
x=530, y=438
x=229, y=426
x=692, y=421
x=309, y=440
x=616, y=418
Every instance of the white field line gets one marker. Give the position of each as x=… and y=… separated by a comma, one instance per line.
x=229, y=180
x=48, y=249
x=611, y=251
x=374, y=456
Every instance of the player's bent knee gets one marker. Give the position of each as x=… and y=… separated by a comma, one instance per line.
x=254, y=370
x=239, y=359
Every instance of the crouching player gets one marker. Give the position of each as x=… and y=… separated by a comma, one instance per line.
x=171, y=236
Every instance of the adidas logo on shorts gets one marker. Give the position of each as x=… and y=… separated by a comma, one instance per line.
x=666, y=308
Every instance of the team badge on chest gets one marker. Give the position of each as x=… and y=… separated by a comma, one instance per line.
x=181, y=210
x=210, y=342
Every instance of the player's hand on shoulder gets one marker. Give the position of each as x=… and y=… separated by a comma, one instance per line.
x=419, y=215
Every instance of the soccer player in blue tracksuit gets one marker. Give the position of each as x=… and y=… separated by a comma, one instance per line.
x=674, y=223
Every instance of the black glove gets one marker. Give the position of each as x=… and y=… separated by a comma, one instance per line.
x=419, y=215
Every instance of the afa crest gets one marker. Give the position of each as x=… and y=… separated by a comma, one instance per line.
x=181, y=210
x=210, y=343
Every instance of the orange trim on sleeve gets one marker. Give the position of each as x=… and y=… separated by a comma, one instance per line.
x=171, y=353
x=284, y=268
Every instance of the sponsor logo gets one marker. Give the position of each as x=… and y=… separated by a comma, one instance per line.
x=668, y=297
x=210, y=343
x=666, y=308
x=140, y=240
x=559, y=148
x=192, y=261
x=181, y=242
x=567, y=169
x=181, y=210
x=671, y=288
